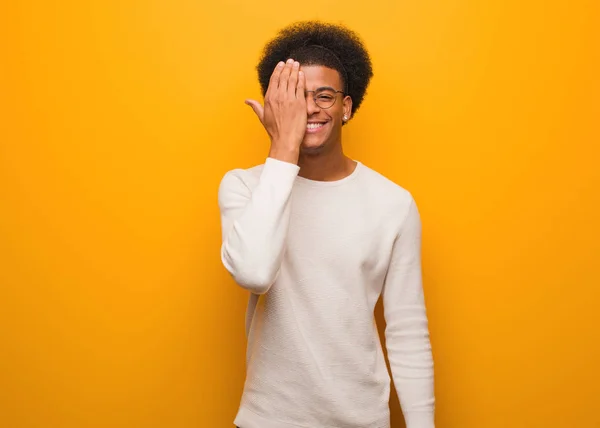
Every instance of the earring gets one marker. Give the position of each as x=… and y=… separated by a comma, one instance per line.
x=345, y=117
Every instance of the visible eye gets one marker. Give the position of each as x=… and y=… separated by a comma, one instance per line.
x=324, y=97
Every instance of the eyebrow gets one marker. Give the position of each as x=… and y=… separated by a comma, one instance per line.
x=322, y=88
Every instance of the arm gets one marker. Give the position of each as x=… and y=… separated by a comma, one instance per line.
x=254, y=224
x=407, y=332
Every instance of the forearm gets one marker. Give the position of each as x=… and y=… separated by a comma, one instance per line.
x=411, y=362
x=255, y=227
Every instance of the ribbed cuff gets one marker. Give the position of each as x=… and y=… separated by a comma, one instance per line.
x=282, y=164
x=419, y=420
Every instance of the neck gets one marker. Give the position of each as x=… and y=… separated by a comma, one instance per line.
x=330, y=165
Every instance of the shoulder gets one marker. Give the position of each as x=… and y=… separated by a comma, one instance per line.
x=384, y=191
x=242, y=176
x=239, y=181
x=272, y=170
x=392, y=205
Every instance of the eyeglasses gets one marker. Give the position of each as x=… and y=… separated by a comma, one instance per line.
x=324, y=97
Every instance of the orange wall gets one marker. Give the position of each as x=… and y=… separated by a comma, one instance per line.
x=118, y=120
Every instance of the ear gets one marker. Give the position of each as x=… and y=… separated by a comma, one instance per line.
x=347, y=108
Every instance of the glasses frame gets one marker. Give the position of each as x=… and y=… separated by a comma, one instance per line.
x=314, y=97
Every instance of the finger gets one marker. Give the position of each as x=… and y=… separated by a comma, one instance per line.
x=285, y=75
x=258, y=109
x=293, y=79
x=301, y=86
x=274, y=81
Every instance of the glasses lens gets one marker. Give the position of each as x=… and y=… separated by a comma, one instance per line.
x=325, y=98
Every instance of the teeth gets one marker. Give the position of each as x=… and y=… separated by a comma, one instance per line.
x=314, y=125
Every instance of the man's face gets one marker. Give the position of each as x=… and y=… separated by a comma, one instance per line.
x=324, y=127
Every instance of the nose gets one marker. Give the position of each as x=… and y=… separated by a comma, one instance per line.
x=311, y=106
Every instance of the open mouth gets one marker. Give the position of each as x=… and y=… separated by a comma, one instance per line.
x=312, y=127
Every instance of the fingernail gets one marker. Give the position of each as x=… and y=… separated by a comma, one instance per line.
x=280, y=64
x=296, y=64
x=289, y=61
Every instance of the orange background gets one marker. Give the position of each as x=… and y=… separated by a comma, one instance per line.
x=118, y=120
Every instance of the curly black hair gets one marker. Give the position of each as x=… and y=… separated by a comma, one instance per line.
x=325, y=44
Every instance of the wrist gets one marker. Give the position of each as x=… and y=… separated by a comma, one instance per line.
x=418, y=419
x=285, y=154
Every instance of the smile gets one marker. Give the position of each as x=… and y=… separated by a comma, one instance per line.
x=314, y=127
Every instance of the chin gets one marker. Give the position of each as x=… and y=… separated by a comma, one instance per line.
x=312, y=148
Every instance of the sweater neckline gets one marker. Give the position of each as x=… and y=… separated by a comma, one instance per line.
x=319, y=183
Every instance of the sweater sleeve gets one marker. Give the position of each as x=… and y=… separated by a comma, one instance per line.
x=254, y=224
x=407, y=331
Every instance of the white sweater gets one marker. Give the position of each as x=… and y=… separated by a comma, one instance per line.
x=315, y=257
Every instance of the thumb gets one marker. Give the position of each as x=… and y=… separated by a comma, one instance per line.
x=257, y=107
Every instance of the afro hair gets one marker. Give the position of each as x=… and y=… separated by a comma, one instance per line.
x=317, y=43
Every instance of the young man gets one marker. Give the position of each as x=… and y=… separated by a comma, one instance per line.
x=316, y=238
